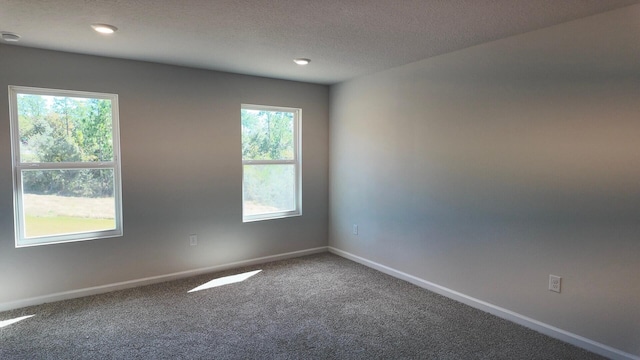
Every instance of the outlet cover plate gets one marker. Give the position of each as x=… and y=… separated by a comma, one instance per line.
x=555, y=283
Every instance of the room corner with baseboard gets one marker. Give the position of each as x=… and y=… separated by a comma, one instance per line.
x=483, y=172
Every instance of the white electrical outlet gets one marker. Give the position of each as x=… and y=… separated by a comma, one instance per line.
x=355, y=229
x=554, y=283
x=193, y=239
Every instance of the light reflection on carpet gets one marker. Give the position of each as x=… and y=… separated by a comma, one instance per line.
x=231, y=279
x=4, y=323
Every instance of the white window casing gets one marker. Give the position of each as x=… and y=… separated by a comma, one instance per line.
x=292, y=178
x=22, y=166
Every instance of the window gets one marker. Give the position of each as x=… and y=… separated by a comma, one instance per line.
x=66, y=165
x=271, y=170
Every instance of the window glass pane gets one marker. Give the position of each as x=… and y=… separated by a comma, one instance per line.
x=64, y=129
x=268, y=188
x=67, y=201
x=267, y=135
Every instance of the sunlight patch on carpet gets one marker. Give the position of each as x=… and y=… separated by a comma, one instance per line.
x=232, y=279
x=4, y=323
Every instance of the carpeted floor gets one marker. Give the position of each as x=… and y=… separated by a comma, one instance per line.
x=315, y=307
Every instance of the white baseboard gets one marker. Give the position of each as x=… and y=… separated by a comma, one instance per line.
x=152, y=280
x=506, y=314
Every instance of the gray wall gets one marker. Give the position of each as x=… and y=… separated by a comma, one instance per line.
x=487, y=169
x=181, y=172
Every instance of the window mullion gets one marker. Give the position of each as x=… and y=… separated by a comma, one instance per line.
x=269, y=162
x=66, y=165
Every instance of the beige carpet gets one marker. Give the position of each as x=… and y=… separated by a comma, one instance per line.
x=315, y=307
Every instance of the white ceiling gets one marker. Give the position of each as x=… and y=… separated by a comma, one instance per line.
x=343, y=38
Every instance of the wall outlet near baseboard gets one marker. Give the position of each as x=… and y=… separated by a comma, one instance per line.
x=193, y=239
x=554, y=283
x=355, y=229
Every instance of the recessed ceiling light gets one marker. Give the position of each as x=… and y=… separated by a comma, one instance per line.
x=301, y=61
x=10, y=37
x=104, y=28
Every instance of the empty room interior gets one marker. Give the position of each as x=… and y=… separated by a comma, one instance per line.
x=484, y=151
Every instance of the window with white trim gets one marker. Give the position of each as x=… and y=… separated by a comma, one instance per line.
x=66, y=165
x=271, y=162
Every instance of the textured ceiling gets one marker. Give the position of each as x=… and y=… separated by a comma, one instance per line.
x=344, y=38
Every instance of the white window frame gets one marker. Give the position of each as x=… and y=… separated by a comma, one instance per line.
x=296, y=161
x=18, y=166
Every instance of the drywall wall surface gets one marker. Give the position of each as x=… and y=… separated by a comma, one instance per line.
x=181, y=172
x=488, y=169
